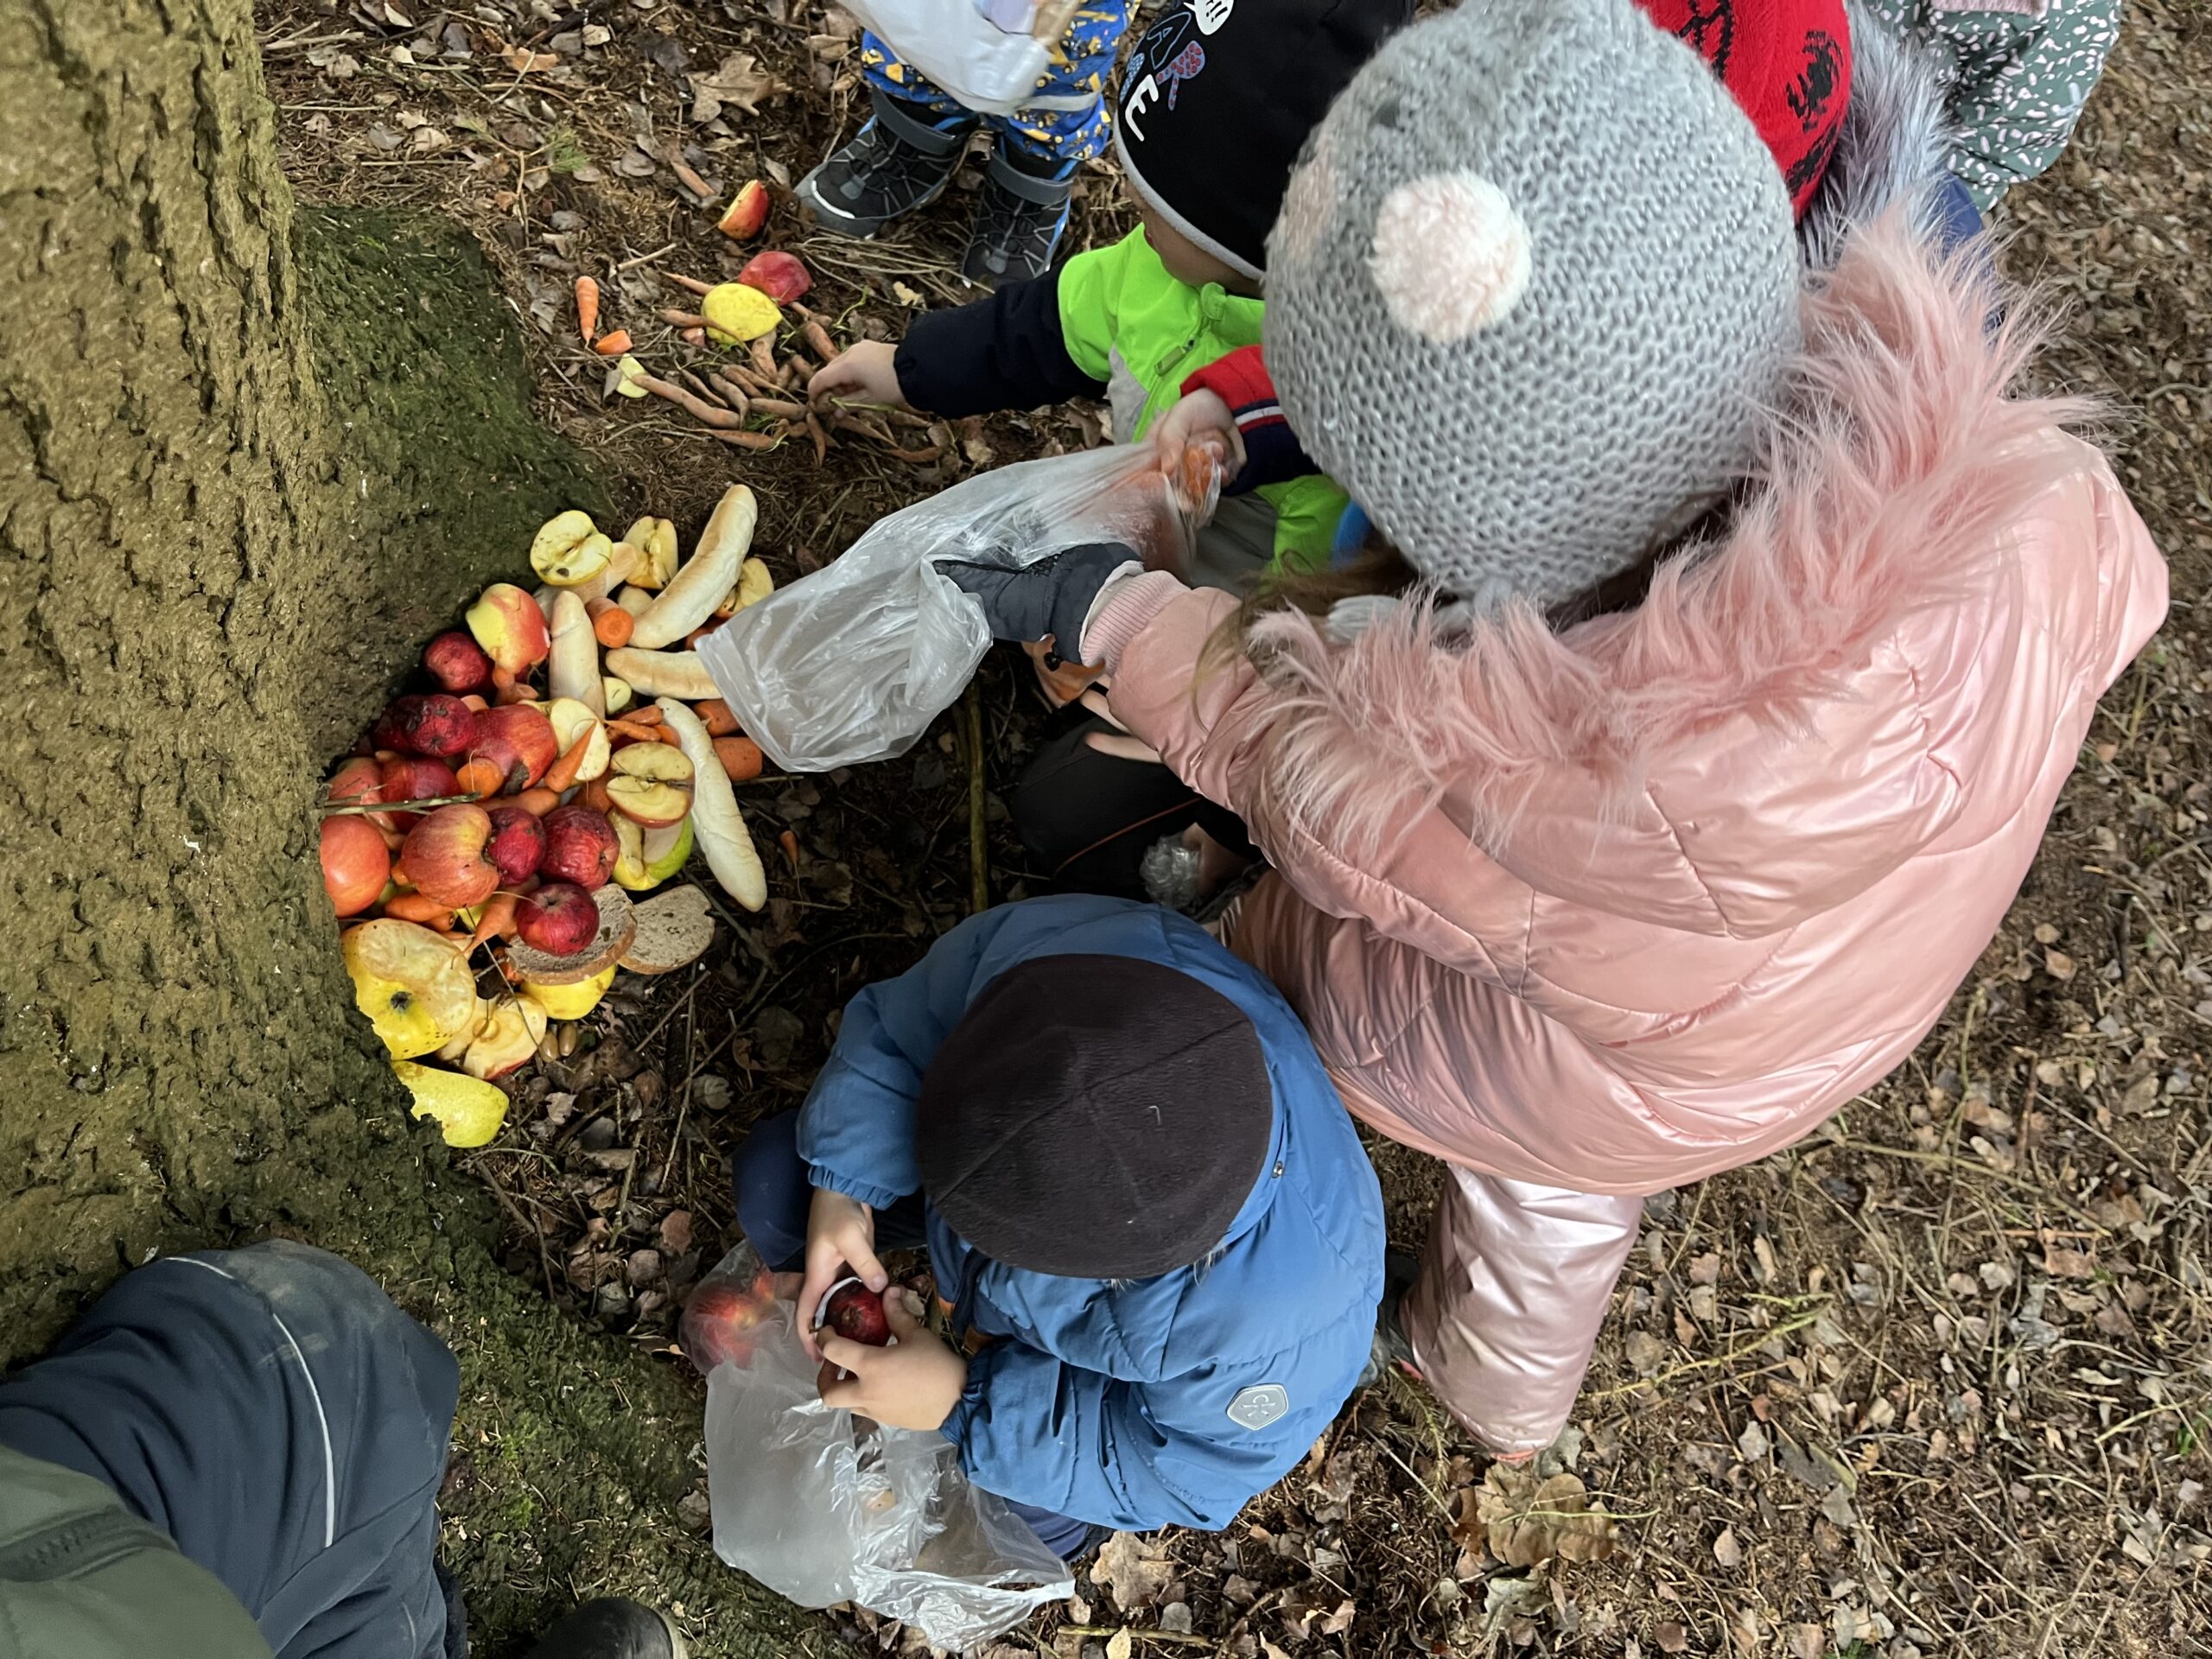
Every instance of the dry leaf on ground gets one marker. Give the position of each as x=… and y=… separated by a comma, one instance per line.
x=1134, y=1568
x=1524, y=1520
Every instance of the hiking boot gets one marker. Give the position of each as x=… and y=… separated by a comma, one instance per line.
x=1018, y=221
x=1392, y=1351
x=612, y=1628
x=901, y=160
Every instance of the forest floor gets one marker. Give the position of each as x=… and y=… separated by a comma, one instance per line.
x=1937, y=1380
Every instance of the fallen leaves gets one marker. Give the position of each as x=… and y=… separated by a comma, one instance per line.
x=741, y=82
x=1523, y=1520
x=1135, y=1569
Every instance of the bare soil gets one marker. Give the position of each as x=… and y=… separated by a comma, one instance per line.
x=1937, y=1380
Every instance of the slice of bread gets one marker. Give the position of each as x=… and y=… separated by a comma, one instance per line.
x=674, y=930
x=618, y=926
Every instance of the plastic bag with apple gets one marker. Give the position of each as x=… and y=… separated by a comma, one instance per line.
x=852, y=663
x=823, y=1506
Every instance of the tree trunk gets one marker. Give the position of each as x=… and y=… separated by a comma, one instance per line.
x=237, y=489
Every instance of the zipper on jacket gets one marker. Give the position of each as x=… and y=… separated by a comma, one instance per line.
x=71, y=1548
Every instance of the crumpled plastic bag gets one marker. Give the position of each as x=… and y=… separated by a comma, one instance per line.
x=988, y=54
x=823, y=1506
x=852, y=663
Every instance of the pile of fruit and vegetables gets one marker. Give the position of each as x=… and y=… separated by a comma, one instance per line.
x=500, y=842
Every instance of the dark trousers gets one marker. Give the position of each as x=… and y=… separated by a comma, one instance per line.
x=773, y=1196
x=273, y=1411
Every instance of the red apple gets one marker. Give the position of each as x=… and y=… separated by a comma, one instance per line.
x=457, y=662
x=361, y=778
x=446, y=858
x=580, y=846
x=516, y=739
x=355, y=863
x=777, y=275
x=518, y=844
x=559, y=919
x=747, y=213
x=855, y=1313
x=722, y=1320
x=508, y=624
x=435, y=725
x=415, y=778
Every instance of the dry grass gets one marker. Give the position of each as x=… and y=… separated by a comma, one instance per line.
x=1938, y=1381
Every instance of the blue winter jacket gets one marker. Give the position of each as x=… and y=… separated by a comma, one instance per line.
x=1143, y=1403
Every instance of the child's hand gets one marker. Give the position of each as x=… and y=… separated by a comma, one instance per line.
x=865, y=370
x=915, y=1383
x=840, y=1237
x=1195, y=417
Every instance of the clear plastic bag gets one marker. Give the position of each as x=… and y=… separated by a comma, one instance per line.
x=852, y=663
x=989, y=57
x=823, y=1506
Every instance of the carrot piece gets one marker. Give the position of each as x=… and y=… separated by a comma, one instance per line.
x=497, y=917
x=789, y=842
x=480, y=778
x=645, y=714
x=595, y=796
x=719, y=720
x=562, y=772
x=741, y=758
x=626, y=730
x=612, y=627
x=817, y=340
x=539, y=801
x=614, y=344
x=413, y=907
x=588, y=308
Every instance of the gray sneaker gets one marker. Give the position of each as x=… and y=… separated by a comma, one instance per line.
x=900, y=161
x=613, y=1628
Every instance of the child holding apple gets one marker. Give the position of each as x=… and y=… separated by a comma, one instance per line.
x=1143, y=1201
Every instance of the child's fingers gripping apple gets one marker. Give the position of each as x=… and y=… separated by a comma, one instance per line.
x=867, y=370
x=914, y=1383
x=840, y=1239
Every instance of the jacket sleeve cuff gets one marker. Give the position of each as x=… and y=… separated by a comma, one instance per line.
x=955, y=1426
x=829, y=1180
x=1125, y=606
x=1273, y=454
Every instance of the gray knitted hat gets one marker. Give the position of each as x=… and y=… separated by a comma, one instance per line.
x=1533, y=279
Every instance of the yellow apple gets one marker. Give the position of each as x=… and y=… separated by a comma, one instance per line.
x=570, y=1001
x=468, y=1110
x=570, y=548
x=414, y=985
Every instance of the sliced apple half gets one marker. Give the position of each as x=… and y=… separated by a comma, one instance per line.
x=571, y=718
x=414, y=986
x=651, y=784
x=508, y=1037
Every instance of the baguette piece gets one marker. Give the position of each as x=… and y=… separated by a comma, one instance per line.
x=674, y=930
x=618, y=926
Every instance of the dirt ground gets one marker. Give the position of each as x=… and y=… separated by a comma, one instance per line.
x=1938, y=1381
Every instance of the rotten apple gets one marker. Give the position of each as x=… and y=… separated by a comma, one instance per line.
x=518, y=843
x=559, y=919
x=361, y=778
x=434, y=724
x=747, y=213
x=518, y=740
x=778, y=275
x=446, y=856
x=415, y=778
x=580, y=846
x=457, y=663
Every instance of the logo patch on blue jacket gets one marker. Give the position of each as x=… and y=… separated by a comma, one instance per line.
x=1259, y=1405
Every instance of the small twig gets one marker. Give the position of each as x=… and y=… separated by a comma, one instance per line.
x=1739, y=1351
x=643, y=260
x=332, y=809
x=979, y=846
x=1109, y=1631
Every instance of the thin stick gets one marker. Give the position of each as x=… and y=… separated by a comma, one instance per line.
x=1110, y=1630
x=644, y=258
x=333, y=809
x=979, y=846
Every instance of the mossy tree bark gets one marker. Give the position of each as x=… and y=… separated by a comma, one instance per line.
x=239, y=485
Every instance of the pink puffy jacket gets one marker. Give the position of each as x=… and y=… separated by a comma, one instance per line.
x=1619, y=906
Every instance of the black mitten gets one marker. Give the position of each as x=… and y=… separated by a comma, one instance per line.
x=1052, y=596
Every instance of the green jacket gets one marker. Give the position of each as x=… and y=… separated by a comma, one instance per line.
x=1109, y=323
x=82, y=1578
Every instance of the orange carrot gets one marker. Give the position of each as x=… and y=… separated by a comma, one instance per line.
x=587, y=309
x=612, y=627
x=789, y=842
x=481, y=777
x=646, y=714
x=562, y=772
x=413, y=907
x=612, y=345
x=499, y=916
x=628, y=731
x=717, y=717
x=595, y=796
x=539, y=801
x=741, y=758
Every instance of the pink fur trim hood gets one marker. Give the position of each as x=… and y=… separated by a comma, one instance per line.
x=1626, y=903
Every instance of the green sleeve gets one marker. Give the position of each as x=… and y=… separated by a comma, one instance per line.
x=1090, y=305
x=1306, y=513
x=2013, y=114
